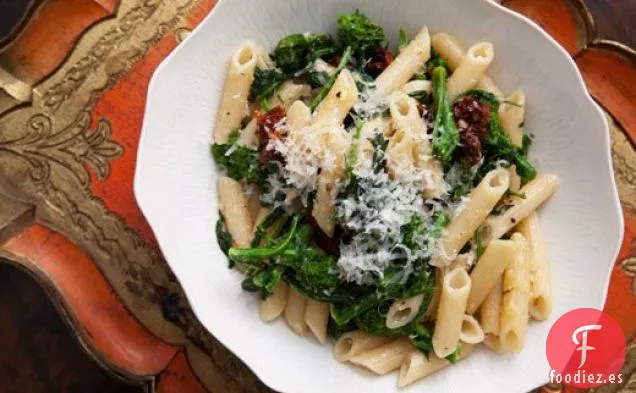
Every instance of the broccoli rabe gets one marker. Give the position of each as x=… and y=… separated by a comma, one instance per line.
x=264, y=280
x=240, y=162
x=360, y=33
x=403, y=40
x=297, y=51
x=313, y=270
x=445, y=132
x=223, y=236
x=346, y=56
x=266, y=82
x=497, y=146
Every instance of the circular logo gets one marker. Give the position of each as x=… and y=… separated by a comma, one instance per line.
x=585, y=348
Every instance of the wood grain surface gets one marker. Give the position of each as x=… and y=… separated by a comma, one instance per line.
x=73, y=81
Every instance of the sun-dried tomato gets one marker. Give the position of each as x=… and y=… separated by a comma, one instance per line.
x=270, y=127
x=334, y=60
x=379, y=62
x=473, y=121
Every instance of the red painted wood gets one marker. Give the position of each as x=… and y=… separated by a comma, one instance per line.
x=51, y=35
x=611, y=78
x=113, y=331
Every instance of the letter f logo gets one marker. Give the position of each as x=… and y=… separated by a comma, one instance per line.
x=584, y=347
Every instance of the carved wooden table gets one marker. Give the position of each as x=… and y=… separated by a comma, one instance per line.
x=72, y=98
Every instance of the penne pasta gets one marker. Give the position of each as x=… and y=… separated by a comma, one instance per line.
x=471, y=69
x=488, y=270
x=494, y=343
x=417, y=366
x=402, y=311
x=488, y=84
x=234, y=206
x=540, y=280
x=249, y=134
x=471, y=332
x=317, y=318
x=354, y=343
x=385, y=358
x=338, y=102
x=379, y=125
x=462, y=227
x=536, y=192
x=298, y=116
x=516, y=298
x=409, y=153
x=410, y=60
x=450, y=312
x=449, y=48
x=490, y=311
x=511, y=114
x=415, y=86
x=233, y=106
x=288, y=93
x=295, y=312
x=275, y=304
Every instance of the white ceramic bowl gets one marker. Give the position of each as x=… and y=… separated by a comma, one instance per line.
x=175, y=183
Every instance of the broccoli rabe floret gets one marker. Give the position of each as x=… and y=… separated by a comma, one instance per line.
x=295, y=52
x=360, y=33
x=445, y=132
x=240, y=162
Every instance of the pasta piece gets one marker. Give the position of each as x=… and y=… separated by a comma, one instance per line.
x=540, y=280
x=295, y=312
x=275, y=304
x=298, y=116
x=490, y=311
x=515, y=180
x=263, y=61
x=253, y=194
x=452, y=305
x=410, y=60
x=417, y=366
x=354, y=343
x=493, y=342
x=289, y=92
x=324, y=201
x=449, y=48
x=262, y=213
x=477, y=207
x=471, y=332
x=249, y=134
x=471, y=69
x=234, y=106
x=431, y=312
x=488, y=84
x=338, y=102
x=511, y=114
x=378, y=125
x=317, y=318
x=386, y=358
x=536, y=192
x=464, y=261
x=516, y=298
x=488, y=270
x=409, y=153
x=402, y=311
x=234, y=206
x=415, y=86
